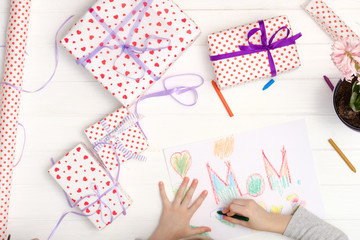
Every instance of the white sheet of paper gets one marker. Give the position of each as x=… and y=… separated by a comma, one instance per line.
x=273, y=166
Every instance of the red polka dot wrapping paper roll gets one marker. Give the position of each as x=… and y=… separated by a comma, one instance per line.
x=132, y=138
x=329, y=21
x=242, y=69
x=165, y=31
x=77, y=173
x=17, y=33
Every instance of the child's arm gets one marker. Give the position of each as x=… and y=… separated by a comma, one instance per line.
x=175, y=218
x=301, y=225
x=305, y=225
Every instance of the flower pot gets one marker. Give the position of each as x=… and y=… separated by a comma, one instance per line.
x=341, y=100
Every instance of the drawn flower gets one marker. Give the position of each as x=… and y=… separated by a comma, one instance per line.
x=346, y=56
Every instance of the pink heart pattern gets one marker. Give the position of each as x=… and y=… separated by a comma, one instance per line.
x=163, y=19
x=133, y=138
x=76, y=182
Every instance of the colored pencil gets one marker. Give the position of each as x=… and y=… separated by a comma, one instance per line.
x=222, y=99
x=268, y=84
x=327, y=80
x=242, y=218
x=342, y=155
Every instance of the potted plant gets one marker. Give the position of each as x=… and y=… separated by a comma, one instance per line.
x=346, y=98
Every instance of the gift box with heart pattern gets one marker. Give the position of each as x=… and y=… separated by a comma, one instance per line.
x=83, y=179
x=128, y=45
x=234, y=69
x=131, y=138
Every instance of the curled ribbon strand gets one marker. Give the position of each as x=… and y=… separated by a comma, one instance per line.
x=126, y=47
x=264, y=46
x=56, y=64
x=172, y=92
x=126, y=123
x=42, y=87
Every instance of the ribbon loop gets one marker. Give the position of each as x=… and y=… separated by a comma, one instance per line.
x=280, y=40
x=175, y=90
x=126, y=47
x=264, y=46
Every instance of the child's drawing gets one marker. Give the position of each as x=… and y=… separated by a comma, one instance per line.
x=278, y=181
x=272, y=209
x=262, y=205
x=203, y=234
x=220, y=218
x=181, y=162
x=276, y=209
x=295, y=201
x=224, y=147
x=224, y=190
x=255, y=185
x=265, y=165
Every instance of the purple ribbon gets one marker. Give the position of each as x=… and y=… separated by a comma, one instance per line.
x=173, y=92
x=126, y=47
x=39, y=89
x=55, y=69
x=264, y=46
x=97, y=194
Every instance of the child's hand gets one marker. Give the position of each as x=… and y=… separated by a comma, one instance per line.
x=175, y=218
x=259, y=218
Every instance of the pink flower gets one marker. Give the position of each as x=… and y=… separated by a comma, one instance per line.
x=346, y=56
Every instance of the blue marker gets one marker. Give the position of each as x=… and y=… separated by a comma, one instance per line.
x=268, y=84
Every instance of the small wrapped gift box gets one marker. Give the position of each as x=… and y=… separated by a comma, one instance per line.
x=117, y=134
x=253, y=51
x=90, y=187
x=128, y=45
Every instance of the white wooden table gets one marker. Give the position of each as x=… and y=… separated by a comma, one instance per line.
x=56, y=117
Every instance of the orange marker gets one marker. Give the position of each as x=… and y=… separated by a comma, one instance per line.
x=222, y=99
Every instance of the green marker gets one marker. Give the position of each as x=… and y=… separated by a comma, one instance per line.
x=235, y=216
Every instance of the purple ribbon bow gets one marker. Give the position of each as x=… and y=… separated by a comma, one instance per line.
x=126, y=47
x=264, y=46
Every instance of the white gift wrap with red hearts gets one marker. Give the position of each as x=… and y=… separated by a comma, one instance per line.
x=119, y=74
x=132, y=138
x=329, y=21
x=237, y=70
x=16, y=41
x=76, y=173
